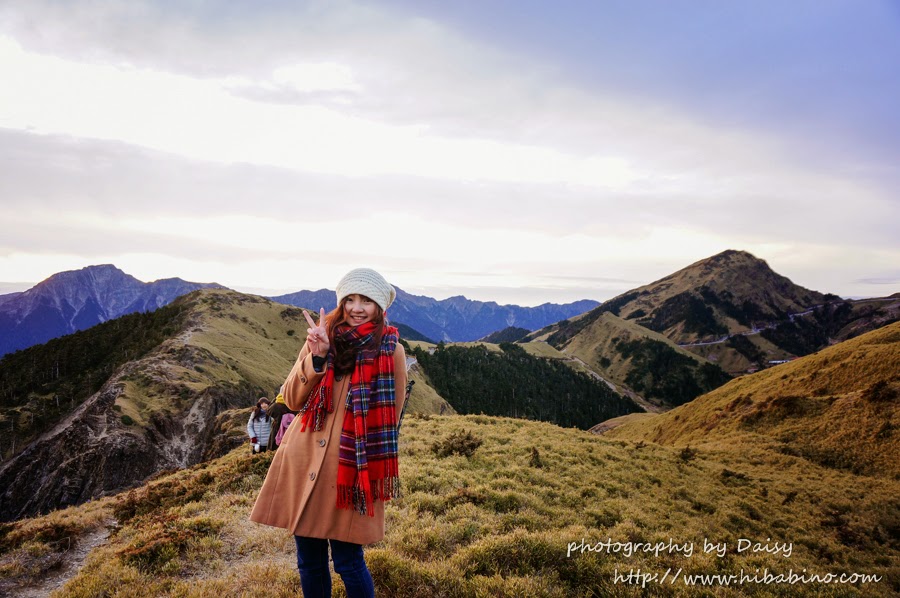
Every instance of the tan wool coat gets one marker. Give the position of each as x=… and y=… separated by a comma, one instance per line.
x=300, y=490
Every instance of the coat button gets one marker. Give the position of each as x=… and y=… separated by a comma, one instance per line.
x=312, y=476
x=322, y=442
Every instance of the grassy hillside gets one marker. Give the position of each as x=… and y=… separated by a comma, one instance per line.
x=423, y=398
x=218, y=338
x=742, y=353
x=237, y=347
x=802, y=455
x=510, y=520
x=839, y=407
x=633, y=357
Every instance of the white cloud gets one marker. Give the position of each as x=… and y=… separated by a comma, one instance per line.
x=211, y=146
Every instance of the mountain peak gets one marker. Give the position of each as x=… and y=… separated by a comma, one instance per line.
x=724, y=266
x=77, y=299
x=730, y=293
x=736, y=257
x=735, y=253
x=101, y=270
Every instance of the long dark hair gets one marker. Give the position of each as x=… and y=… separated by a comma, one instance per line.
x=344, y=356
x=258, y=413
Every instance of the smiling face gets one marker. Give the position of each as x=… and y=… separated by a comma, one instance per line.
x=359, y=309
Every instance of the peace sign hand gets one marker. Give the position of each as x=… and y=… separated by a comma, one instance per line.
x=317, y=336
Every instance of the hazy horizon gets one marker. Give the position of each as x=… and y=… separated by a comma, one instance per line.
x=439, y=293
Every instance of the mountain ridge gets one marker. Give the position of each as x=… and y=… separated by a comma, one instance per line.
x=734, y=310
x=78, y=299
x=157, y=410
x=455, y=319
x=738, y=286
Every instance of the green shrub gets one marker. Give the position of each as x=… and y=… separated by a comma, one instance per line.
x=460, y=443
x=46, y=532
x=880, y=392
x=687, y=454
x=535, y=460
x=163, y=539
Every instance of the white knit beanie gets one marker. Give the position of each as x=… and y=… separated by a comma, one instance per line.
x=368, y=282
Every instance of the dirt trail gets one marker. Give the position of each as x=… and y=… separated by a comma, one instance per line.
x=72, y=561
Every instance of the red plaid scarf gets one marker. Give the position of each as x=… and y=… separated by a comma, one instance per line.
x=367, y=459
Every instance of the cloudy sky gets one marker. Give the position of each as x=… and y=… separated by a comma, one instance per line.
x=519, y=151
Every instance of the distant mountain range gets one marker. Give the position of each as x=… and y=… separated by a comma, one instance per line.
x=75, y=300
x=78, y=299
x=730, y=309
x=455, y=319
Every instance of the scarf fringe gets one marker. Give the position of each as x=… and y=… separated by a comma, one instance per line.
x=353, y=497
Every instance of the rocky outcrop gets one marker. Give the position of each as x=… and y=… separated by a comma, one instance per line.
x=92, y=453
x=84, y=456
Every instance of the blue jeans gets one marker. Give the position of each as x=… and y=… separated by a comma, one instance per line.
x=315, y=578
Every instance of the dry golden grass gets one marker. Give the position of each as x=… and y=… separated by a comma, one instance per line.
x=255, y=338
x=502, y=522
x=33, y=548
x=739, y=463
x=421, y=345
x=837, y=407
x=424, y=398
x=543, y=349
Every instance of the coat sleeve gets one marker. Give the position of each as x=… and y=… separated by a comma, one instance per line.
x=250, y=431
x=400, y=378
x=302, y=379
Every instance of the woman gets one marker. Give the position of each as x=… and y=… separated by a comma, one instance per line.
x=260, y=425
x=336, y=467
